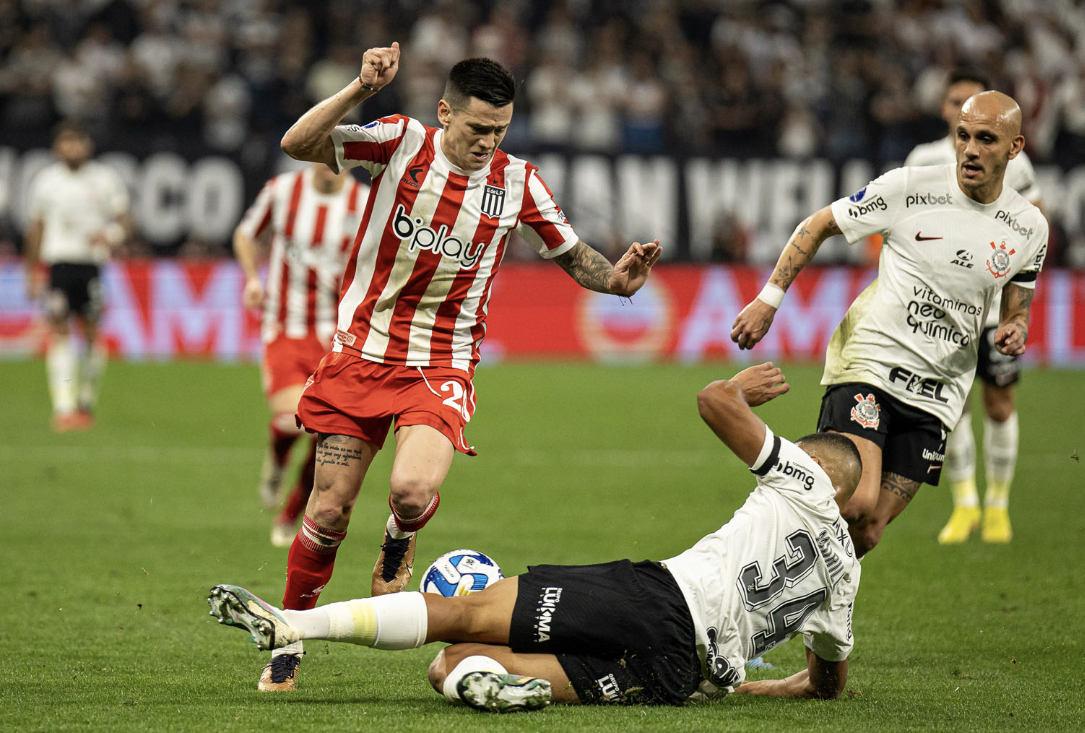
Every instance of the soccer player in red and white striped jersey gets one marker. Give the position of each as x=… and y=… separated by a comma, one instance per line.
x=413, y=305
x=310, y=217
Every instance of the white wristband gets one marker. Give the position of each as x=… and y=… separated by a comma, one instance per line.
x=772, y=295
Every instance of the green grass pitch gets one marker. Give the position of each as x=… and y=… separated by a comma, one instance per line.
x=110, y=540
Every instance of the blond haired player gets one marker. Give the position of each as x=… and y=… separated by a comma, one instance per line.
x=646, y=632
x=900, y=365
x=310, y=217
x=998, y=372
x=78, y=214
x=412, y=310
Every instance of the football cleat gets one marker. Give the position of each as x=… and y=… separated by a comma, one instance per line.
x=271, y=482
x=963, y=522
x=394, y=565
x=235, y=606
x=281, y=674
x=996, y=525
x=502, y=693
x=283, y=533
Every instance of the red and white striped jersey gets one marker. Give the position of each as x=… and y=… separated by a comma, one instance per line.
x=311, y=236
x=417, y=286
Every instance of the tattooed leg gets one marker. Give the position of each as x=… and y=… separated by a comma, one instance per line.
x=896, y=493
x=341, y=464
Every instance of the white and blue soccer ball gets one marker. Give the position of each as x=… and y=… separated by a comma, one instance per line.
x=460, y=572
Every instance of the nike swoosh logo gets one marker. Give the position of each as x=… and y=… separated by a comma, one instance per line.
x=920, y=238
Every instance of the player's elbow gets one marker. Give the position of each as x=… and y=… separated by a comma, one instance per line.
x=718, y=399
x=293, y=145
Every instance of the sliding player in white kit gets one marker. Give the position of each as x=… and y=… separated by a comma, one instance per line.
x=78, y=214
x=998, y=372
x=900, y=365
x=646, y=632
x=444, y=204
x=310, y=217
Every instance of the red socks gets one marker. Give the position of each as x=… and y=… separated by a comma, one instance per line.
x=413, y=524
x=309, y=564
x=283, y=434
x=299, y=497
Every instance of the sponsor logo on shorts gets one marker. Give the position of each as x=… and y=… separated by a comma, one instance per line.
x=928, y=199
x=549, y=598
x=868, y=413
x=918, y=385
x=862, y=209
x=998, y=264
x=933, y=455
x=797, y=472
x=963, y=258
x=1012, y=223
x=608, y=688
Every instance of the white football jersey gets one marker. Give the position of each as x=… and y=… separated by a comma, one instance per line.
x=914, y=332
x=74, y=206
x=1020, y=176
x=783, y=564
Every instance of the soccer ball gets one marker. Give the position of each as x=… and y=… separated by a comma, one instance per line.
x=460, y=572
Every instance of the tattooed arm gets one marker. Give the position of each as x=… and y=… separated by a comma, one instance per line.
x=1012, y=330
x=753, y=322
x=592, y=271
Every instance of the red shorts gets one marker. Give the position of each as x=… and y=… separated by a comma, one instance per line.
x=349, y=395
x=290, y=361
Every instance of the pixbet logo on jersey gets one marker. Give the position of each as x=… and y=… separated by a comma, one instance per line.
x=927, y=199
x=438, y=242
x=1012, y=223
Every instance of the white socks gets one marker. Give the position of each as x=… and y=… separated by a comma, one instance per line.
x=960, y=466
x=1000, y=441
x=91, y=368
x=476, y=663
x=393, y=529
x=393, y=621
x=62, y=368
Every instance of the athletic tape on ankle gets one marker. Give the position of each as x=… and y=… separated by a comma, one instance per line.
x=476, y=663
x=413, y=524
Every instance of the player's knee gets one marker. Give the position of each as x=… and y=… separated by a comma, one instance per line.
x=859, y=508
x=328, y=507
x=411, y=496
x=865, y=536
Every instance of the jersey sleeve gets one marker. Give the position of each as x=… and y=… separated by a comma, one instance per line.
x=1026, y=277
x=116, y=199
x=872, y=209
x=787, y=468
x=1021, y=177
x=827, y=633
x=36, y=200
x=258, y=216
x=370, y=146
x=542, y=223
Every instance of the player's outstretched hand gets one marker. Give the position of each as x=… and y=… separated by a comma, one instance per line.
x=761, y=383
x=1010, y=339
x=253, y=295
x=631, y=271
x=379, y=65
x=752, y=324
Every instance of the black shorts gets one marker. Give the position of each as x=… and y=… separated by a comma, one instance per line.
x=74, y=288
x=913, y=442
x=622, y=631
x=994, y=367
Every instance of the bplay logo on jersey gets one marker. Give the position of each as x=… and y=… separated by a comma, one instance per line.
x=928, y=199
x=868, y=413
x=1012, y=223
x=438, y=242
x=998, y=264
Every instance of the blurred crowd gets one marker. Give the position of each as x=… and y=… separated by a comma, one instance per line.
x=795, y=78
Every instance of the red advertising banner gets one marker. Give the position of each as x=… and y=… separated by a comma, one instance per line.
x=166, y=309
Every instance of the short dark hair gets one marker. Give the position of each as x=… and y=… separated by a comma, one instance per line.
x=70, y=126
x=968, y=74
x=481, y=78
x=833, y=442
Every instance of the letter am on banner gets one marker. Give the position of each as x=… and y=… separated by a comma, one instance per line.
x=165, y=309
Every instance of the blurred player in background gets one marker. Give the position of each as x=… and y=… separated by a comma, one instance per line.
x=900, y=365
x=78, y=214
x=999, y=372
x=310, y=217
x=412, y=310
x=640, y=633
